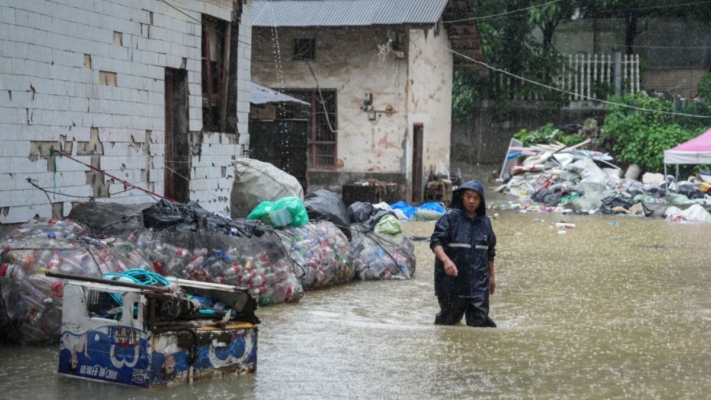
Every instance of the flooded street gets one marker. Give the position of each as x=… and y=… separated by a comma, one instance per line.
x=605, y=311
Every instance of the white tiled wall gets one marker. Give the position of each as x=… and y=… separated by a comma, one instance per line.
x=48, y=94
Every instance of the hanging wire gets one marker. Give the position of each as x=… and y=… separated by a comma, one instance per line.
x=502, y=14
x=571, y=93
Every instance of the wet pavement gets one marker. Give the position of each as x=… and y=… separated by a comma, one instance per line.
x=604, y=311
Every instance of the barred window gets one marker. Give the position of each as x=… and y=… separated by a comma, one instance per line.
x=323, y=124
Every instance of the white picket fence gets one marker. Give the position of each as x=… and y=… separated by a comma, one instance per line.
x=583, y=72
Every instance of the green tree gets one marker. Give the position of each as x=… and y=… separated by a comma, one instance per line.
x=640, y=137
x=547, y=16
x=633, y=10
x=509, y=45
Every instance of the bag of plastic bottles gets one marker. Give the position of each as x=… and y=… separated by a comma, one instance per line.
x=382, y=256
x=322, y=253
x=258, y=264
x=32, y=301
x=189, y=242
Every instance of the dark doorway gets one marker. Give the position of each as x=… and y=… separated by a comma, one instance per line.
x=177, y=144
x=417, y=134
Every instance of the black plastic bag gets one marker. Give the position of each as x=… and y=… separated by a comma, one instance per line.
x=109, y=219
x=691, y=192
x=617, y=201
x=548, y=197
x=360, y=212
x=324, y=205
x=173, y=217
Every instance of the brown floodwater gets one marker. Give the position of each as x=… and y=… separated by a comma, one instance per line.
x=615, y=308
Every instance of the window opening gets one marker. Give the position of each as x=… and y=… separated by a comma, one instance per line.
x=304, y=49
x=213, y=49
x=322, y=141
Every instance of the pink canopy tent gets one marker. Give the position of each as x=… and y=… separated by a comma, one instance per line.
x=695, y=151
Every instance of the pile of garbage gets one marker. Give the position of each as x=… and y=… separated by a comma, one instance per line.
x=382, y=251
x=426, y=212
x=431, y=211
x=321, y=252
x=32, y=302
x=558, y=178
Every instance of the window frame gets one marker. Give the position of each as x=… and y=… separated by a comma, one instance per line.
x=212, y=77
x=313, y=97
x=299, y=55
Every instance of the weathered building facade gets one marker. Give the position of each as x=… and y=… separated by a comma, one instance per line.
x=155, y=93
x=379, y=77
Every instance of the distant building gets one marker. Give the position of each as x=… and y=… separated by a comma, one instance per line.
x=154, y=92
x=378, y=77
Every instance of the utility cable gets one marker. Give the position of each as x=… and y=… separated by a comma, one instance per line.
x=572, y=93
x=658, y=7
x=502, y=14
x=323, y=102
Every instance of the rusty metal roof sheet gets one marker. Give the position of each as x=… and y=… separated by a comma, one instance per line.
x=297, y=13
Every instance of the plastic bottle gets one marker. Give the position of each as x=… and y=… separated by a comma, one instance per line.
x=222, y=255
x=174, y=252
x=13, y=272
x=565, y=225
x=71, y=267
x=81, y=257
x=192, y=268
x=202, y=252
x=231, y=275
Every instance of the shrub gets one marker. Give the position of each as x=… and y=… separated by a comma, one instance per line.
x=640, y=137
x=705, y=87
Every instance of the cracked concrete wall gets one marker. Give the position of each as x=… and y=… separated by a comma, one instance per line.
x=87, y=79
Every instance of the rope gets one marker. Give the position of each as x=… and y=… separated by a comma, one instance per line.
x=138, y=276
x=126, y=184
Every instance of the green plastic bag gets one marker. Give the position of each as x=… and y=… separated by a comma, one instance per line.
x=388, y=224
x=390, y=230
x=285, y=211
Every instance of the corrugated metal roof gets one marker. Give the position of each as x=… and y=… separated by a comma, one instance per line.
x=262, y=95
x=345, y=12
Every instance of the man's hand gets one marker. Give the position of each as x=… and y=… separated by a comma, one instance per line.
x=492, y=285
x=450, y=268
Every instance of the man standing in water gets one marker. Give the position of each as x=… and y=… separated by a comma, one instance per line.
x=464, y=244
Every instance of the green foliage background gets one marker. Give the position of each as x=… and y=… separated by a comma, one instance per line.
x=705, y=87
x=640, y=137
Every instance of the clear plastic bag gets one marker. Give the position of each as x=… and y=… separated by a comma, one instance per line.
x=188, y=242
x=322, y=252
x=32, y=301
x=258, y=264
x=382, y=256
